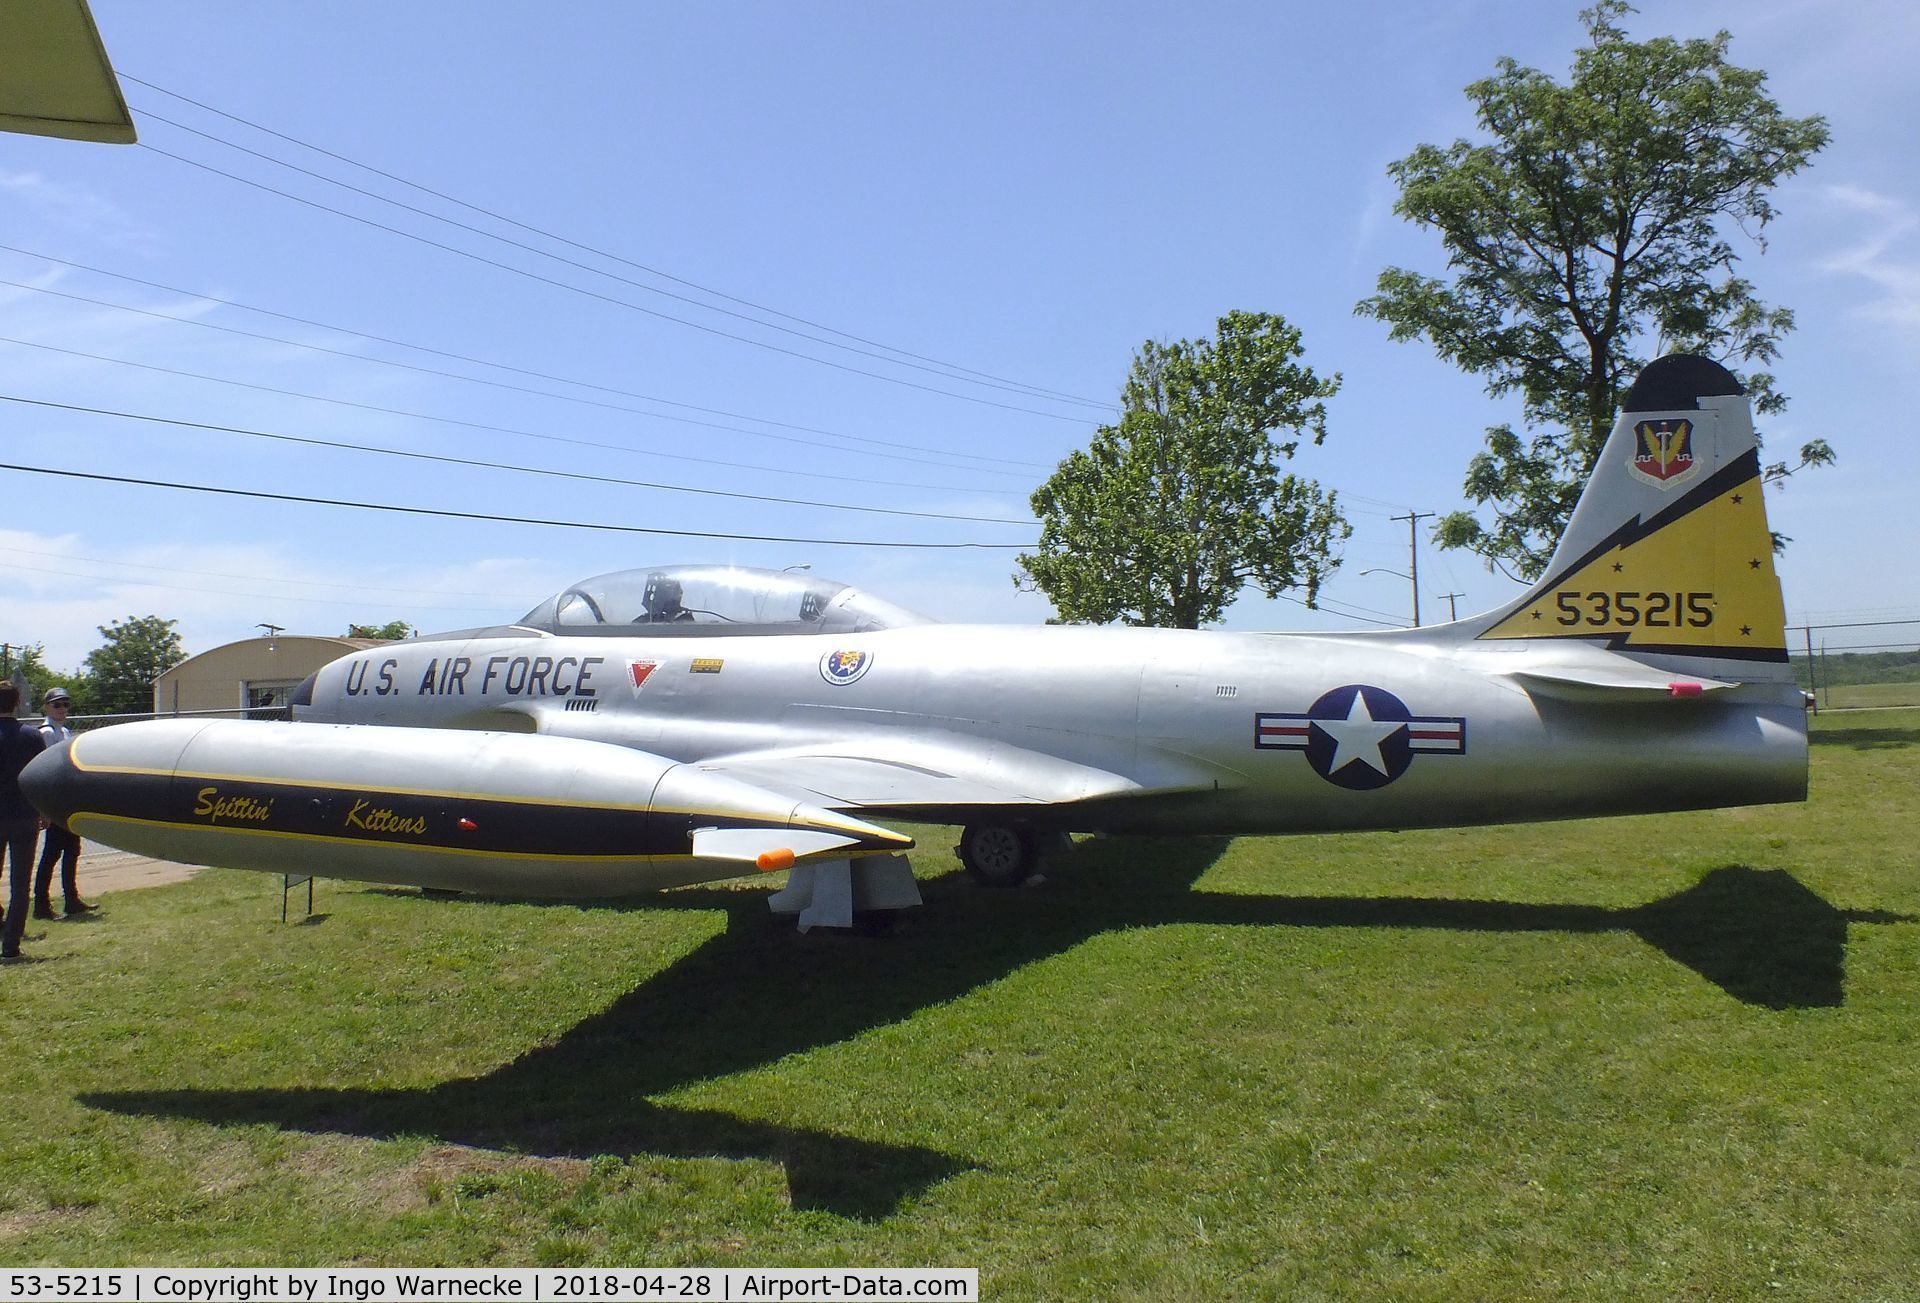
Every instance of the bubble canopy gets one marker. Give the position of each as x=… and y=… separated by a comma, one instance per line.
x=675, y=601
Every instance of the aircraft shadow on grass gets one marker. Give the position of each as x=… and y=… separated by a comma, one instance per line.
x=760, y=992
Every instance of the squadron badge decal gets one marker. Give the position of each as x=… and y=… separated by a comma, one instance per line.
x=1360, y=737
x=1663, y=452
x=843, y=667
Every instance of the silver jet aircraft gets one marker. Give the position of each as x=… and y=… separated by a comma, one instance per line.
x=654, y=727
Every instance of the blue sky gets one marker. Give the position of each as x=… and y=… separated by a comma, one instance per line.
x=1023, y=191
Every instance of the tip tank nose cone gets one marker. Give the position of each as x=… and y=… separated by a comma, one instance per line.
x=48, y=783
x=868, y=837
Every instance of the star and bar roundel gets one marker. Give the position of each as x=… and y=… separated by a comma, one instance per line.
x=1360, y=737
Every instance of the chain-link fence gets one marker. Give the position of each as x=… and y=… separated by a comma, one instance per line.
x=1860, y=665
x=80, y=723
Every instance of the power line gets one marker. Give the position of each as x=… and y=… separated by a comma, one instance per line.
x=507, y=520
x=604, y=298
x=525, y=434
x=405, y=366
x=454, y=375
x=959, y=371
x=1345, y=506
x=1322, y=605
x=1378, y=502
x=1329, y=608
x=1024, y=391
x=504, y=466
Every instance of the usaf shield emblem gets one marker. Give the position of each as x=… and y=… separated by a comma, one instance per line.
x=1663, y=452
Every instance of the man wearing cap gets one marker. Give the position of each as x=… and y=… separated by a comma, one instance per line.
x=18, y=820
x=60, y=844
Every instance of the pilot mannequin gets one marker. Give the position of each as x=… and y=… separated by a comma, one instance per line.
x=663, y=602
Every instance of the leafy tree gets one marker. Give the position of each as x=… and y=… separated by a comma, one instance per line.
x=1588, y=230
x=137, y=651
x=392, y=631
x=25, y=665
x=1165, y=517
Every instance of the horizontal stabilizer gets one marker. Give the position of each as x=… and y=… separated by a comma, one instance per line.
x=1629, y=681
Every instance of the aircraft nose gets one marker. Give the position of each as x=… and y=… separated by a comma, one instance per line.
x=51, y=782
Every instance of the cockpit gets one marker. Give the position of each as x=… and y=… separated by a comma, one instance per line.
x=672, y=601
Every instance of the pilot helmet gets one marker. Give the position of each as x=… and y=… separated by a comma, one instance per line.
x=663, y=596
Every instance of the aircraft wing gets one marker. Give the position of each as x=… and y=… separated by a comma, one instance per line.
x=908, y=771
x=943, y=773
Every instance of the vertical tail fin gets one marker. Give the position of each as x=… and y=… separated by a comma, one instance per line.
x=1668, y=556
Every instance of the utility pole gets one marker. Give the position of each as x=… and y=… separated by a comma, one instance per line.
x=1413, y=518
x=1453, y=604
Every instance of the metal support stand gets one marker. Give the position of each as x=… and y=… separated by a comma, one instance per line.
x=827, y=892
x=288, y=881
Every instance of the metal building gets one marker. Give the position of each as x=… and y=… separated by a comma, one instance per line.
x=253, y=673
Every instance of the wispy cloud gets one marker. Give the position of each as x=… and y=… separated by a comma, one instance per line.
x=65, y=207
x=56, y=589
x=1887, y=255
x=1371, y=219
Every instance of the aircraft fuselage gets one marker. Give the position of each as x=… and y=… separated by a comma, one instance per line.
x=1197, y=731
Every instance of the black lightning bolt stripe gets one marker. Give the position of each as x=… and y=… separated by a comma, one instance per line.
x=1729, y=477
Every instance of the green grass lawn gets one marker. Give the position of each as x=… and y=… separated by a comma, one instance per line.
x=1635, y=1058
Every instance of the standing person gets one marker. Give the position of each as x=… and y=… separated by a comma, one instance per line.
x=18, y=821
x=60, y=844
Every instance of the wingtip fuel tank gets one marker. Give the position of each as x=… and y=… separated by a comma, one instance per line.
x=474, y=811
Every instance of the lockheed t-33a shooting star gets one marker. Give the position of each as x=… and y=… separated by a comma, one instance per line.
x=650, y=728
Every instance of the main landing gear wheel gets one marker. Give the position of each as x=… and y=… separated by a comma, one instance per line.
x=998, y=854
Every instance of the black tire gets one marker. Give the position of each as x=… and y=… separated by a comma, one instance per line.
x=998, y=854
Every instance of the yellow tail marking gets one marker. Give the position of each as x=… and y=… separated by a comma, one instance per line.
x=1704, y=581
